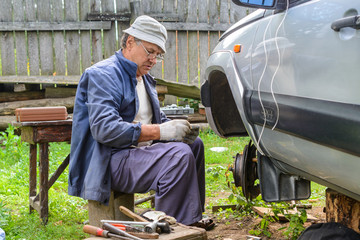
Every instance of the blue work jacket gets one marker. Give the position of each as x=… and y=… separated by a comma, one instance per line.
x=106, y=103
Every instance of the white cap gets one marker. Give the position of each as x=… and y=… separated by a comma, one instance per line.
x=148, y=29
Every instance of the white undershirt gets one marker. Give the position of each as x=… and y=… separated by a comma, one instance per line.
x=145, y=114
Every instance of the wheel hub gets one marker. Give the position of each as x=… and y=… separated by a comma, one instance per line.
x=245, y=172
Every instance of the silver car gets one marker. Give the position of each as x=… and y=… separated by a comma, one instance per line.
x=288, y=75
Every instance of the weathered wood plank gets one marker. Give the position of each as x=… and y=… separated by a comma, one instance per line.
x=72, y=39
x=21, y=96
x=54, y=26
x=182, y=51
x=5, y=121
x=7, y=41
x=45, y=39
x=85, y=36
x=188, y=26
x=8, y=108
x=60, y=79
x=224, y=11
x=20, y=41
x=203, y=39
x=122, y=7
x=156, y=8
x=107, y=6
x=213, y=19
x=32, y=37
x=59, y=43
x=170, y=56
x=237, y=12
x=262, y=211
x=179, y=89
x=193, y=43
x=96, y=40
x=59, y=92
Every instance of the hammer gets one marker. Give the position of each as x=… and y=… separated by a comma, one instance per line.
x=149, y=227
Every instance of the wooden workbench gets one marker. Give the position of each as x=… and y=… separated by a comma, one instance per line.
x=42, y=133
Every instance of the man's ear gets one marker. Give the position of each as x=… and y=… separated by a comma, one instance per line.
x=130, y=42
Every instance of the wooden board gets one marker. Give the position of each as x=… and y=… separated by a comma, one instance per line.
x=266, y=211
x=155, y=7
x=96, y=40
x=45, y=39
x=33, y=44
x=7, y=41
x=59, y=43
x=109, y=36
x=72, y=39
x=181, y=232
x=20, y=40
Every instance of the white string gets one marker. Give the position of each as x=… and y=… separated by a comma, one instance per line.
x=278, y=66
x=260, y=80
x=273, y=77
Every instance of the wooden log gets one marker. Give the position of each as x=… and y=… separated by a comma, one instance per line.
x=98, y=211
x=59, y=92
x=180, y=89
x=8, y=108
x=21, y=96
x=342, y=209
x=5, y=121
x=161, y=89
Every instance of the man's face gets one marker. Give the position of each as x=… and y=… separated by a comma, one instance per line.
x=139, y=54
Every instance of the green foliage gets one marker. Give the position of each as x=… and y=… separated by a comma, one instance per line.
x=296, y=226
x=4, y=214
x=66, y=214
x=263, y=227
x=11, y=149
x=193, y=103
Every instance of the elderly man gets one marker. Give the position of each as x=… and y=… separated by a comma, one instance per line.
x=122, y=141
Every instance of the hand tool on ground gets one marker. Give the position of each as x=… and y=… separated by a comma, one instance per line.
x=131, y=214
x=96, y=231
x=136, y=231
x=118, y=231
x=148, y=226
x=127, y=228
x=164, y=226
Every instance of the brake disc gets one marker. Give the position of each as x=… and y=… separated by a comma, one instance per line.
x=245, y=172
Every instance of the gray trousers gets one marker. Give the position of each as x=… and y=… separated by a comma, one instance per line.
x=175, y=170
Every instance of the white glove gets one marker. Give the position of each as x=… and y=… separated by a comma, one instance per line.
x=194, y=132
x=174, y=130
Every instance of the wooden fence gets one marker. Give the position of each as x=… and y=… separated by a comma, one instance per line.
x=53, y=41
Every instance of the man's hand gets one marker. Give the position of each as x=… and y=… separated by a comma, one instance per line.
x=190, y=137
x=174, y=130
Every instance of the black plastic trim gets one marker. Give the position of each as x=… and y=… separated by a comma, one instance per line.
x=205, y=94
x=224, y=111
x=332, y=124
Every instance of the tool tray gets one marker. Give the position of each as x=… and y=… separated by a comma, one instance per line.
x=31, y=114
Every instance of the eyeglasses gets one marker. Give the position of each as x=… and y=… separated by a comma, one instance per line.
x=159, y=57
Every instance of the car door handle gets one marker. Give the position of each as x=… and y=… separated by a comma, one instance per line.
x=353, y=22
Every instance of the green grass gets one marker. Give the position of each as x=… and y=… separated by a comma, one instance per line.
x=68, y=214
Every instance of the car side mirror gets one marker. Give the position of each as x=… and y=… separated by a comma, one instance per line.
x=265, y=4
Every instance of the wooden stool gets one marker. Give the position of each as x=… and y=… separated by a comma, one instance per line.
x=98, y=211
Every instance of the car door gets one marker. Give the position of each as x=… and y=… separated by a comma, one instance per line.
x=306, y=81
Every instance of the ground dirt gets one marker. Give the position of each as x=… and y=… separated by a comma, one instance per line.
x=234, y=229
x=230, y=228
